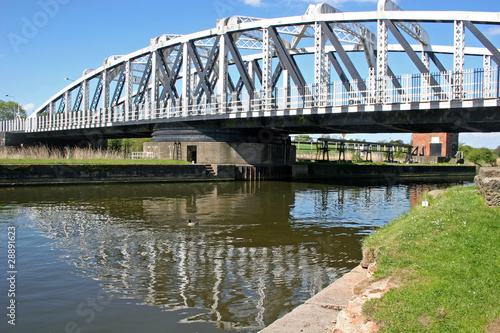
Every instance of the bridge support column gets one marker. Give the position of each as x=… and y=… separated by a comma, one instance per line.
x=221, y=146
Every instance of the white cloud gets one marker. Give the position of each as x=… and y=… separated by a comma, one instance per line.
x=254, y=3
x=494, y=31
x=29, y=107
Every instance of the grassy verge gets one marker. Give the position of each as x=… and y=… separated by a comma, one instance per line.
x=41, y=161
x=446, y=260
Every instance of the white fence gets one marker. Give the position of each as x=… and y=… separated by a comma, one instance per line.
x=143, y=155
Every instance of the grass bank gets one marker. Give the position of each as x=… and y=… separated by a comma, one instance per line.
x=445, y=258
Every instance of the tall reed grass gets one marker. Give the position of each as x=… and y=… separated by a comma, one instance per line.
x=43, y=152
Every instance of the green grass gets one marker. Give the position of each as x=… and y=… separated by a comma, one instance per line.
x=87, y=161
x=446, y=259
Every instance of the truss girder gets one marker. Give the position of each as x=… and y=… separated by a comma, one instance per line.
x=340, y=71
x=97, y=94
x=119, y=87
x=169, y=78
x=344, y=57
x=205, y=71
x=412, y=55
x=432, y=56
x=286, y=59
x=485, y=41
x=79, y=98
x=193, y=55
x=62, y=105
x=239, y=62
x=139, y=97
x=413, y=29
x=163, y=64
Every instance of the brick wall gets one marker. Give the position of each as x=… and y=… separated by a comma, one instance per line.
x=428, y=144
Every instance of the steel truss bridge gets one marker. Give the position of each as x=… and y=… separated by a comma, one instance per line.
x=325, y=71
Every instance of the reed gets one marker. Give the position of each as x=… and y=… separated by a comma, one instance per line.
x=44, y=152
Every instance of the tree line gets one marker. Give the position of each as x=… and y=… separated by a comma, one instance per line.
x=9, y=110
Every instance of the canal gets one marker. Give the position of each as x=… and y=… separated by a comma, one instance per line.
x=122, y=258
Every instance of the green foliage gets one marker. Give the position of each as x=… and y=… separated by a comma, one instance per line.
x=8, y=110
x=115, y=144
x=497, y=151
x=444, y=258
x=127, y=145
x=303, y=138
x=465, y=148
x=488, y=156
x=477, y=155
x=397, y=142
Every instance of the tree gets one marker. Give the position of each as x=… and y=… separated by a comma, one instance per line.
x=8, y=110
x=303, y=138
x=397, y=142
x=473, y=155
x=476, y=155
x=497, y=151
x=465, y=148
x=488, y=156
x=115, y=144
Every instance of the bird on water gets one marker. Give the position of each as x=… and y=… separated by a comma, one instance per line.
x=192, y=224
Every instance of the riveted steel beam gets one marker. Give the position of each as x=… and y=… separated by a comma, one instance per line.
x=286, y=59
x=62, y=105
x=436, y=61
x=97, y=94
x=344, y=57
x=256, y=68
x=340, y=71
x=239, y=63
x=206, y=71
x=139, y=97
x=199, y=69
x=412, y=55
x=119, y=88
x=485, y=41
x=169, y=78
x=79, y=97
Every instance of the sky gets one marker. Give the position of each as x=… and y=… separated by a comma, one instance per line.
x=42, y=42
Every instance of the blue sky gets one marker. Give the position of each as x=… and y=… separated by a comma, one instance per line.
x=44, y=41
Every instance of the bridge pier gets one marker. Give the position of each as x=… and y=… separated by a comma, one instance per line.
x=221, y=146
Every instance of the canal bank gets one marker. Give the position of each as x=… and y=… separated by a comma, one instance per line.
x=431, y=293
x=24, y=174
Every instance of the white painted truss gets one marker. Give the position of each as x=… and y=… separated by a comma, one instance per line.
x=248, y=64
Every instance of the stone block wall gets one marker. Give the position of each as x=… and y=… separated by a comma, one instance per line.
x=224, y=152
x=488, y=185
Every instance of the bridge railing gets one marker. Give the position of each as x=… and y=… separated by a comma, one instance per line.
x=444, y=86
x=15, y=125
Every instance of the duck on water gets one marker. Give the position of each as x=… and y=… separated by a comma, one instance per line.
x=192, y=224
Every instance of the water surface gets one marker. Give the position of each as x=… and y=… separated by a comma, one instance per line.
x=121, y=258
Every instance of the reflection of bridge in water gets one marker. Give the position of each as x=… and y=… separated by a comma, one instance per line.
x=261, y=249
x=322, y=72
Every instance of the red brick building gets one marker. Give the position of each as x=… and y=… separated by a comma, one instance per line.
x=436, y=144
